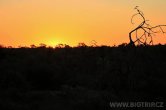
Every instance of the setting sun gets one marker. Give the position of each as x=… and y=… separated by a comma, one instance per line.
x=54, y=42
x=82, y=54
x=52, y=22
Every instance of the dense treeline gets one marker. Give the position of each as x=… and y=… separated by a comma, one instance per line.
x=82, y=77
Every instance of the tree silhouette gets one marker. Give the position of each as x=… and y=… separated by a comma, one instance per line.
x=81, y=44
x=33, y=46
x=148, y=30
x=42, y=45
x=93, y=43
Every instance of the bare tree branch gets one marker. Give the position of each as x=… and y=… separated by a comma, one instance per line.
x=148, y=30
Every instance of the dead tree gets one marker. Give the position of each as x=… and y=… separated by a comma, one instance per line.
x=148, y=31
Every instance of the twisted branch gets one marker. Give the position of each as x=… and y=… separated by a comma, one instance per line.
x=148, y=30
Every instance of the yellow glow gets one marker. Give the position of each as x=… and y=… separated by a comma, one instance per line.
x=54, y=42
x=26, y=22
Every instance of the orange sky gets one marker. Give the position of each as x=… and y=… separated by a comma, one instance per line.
x=26, y=22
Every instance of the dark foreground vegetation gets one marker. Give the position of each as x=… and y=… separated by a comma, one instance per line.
x=81, y=78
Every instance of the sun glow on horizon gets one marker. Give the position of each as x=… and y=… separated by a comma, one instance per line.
x=54, y=42
x=70, y=22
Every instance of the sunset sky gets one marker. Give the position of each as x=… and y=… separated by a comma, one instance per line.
x=26, y=22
